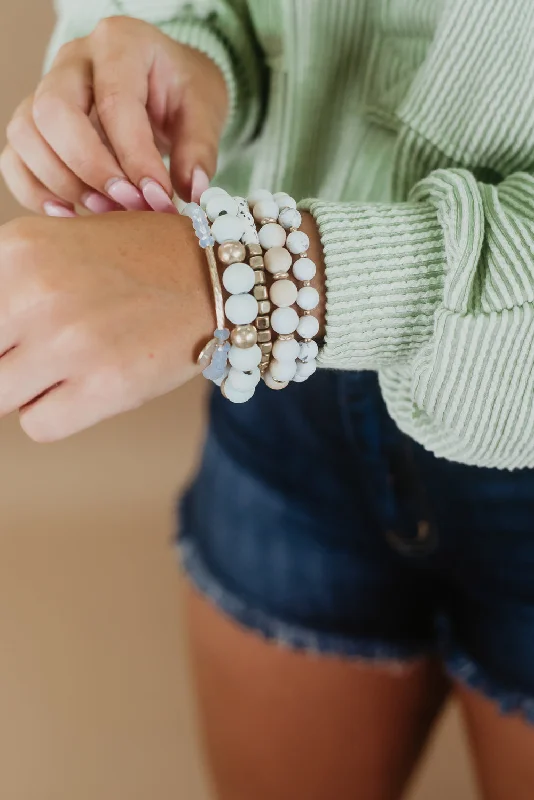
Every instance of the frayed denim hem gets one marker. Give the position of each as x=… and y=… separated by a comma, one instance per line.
x=471, y=674
x=285, y=634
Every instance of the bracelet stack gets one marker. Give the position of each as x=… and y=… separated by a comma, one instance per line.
x=262, y=255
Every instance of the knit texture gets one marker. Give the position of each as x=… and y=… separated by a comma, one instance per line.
x=412, y=124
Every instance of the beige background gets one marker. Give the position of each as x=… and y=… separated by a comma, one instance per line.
x=94, y=692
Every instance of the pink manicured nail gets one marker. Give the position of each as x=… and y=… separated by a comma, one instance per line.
x=156, y=197
x=125, y=194
x=98, y=204
x=57, y=210
x=199, y=184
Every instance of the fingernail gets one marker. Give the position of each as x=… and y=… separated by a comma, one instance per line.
x=156, y=197
x=98, y=204
x=199, y=184
x=125, y=194
x=57, y=210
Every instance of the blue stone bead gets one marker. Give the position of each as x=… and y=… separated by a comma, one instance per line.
x=191, y=210
x=206, y=241
x=222, y=333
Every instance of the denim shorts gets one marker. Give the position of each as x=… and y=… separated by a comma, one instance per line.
x=315, y=522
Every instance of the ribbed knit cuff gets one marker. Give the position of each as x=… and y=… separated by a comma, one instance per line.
x=385, y=267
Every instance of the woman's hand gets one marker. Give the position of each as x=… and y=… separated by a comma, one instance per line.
x=90, y=327
x=95, y=130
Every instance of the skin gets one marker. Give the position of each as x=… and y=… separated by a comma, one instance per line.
x=95, y=321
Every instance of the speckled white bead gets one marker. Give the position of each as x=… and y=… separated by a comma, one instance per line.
x=238, y=278
x=308, y=351
x=241, y=309
x=308, y=327
x=284, y=320
x=265, y=209
x=277, y=259
x=244, y=359
x=271, y=235
x=272, y=384
x=286, y=350
x=289, y=218
x=283, y=370
x=307, y=298
x=283, y=293
x=304, y=269
x=236, y=396
x=228, y=229
x=243, y=381
x=284, y=200
x=304, y=370
x=297, y=242
x=258, y=194
x=219, y=204
x=250, y=236
x=213, y=191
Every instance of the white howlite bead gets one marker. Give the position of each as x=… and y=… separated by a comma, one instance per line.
x=228, y=229
x=289, y=218
x=284, y=200
x=265, y=209
x=286, y=350
x=258, y=194
x=308, y=351
x=206, y=196
x=307, y=298
x=234, y=395
x=272, y=384
x=284, y=320
x=283, y=370
x=304, y=269
x=250, y=236
x=272, y=235
x=238, y=278
x=283, y=293
x=299, y=379
x=241, y=309
x=308, y=327
x=244, y=359
x=297, y=242
x=243, y=381
x=304, y=370
x=277, y=259
x=219, y=204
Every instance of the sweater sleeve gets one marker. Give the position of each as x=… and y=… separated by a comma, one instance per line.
x=219, y=28
x=437, y=294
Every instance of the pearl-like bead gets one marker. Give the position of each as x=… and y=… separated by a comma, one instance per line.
x=244, y=336
x=308, y=326
x=258, y=194
x=308, y=351
x=277, y=259
x=305, y=369
x=307, y=298
x=297, y=242
x=289, y=218
x=244, y=359
x=244, y=381
x=219, y=204
x=213, y=191
x=265, y=209
x=283, y=293
x=283, y=370
x=286, y=350
x=228, y=229
x=238, y=278
x=231, y=252
x=304, y=269
x=271, y=235
x=272, y=384
x=234, y=395
x=241, y=309
x=284, y=200
x=284, y=320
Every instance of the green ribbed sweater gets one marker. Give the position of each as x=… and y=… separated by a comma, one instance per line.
x=412, y=123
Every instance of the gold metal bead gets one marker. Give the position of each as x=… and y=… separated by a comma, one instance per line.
x=264, y=307
x=254, y=249
x=280, y=276
x=260, y=292
x=244, y=336
x=256, y=262
x=259, y=276
x=306, y=283
x=304, y=254
x=231, y=252
x=266, y=348
x=286, y=337
x=267, y=220
x=263, y=323
x=264, y=336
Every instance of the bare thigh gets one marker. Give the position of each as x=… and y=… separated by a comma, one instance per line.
x=503, y=748
x=280, y=725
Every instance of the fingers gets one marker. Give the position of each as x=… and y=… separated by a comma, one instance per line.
x=23, y=377
x=28, y=190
